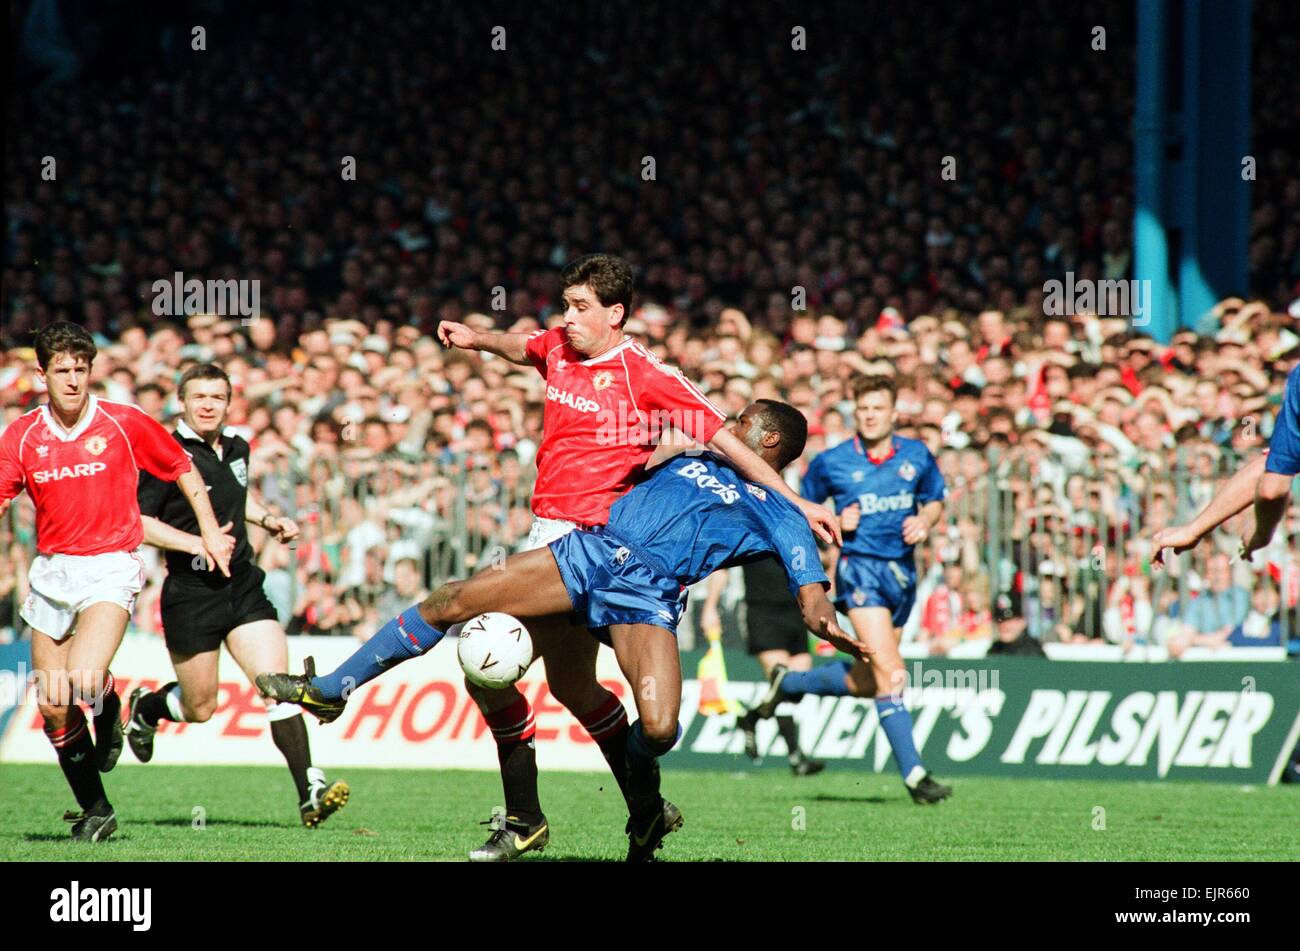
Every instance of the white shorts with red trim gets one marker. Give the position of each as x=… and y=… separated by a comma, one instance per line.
x=65, y=585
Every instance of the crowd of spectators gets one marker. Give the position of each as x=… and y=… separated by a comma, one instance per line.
x=796, y=232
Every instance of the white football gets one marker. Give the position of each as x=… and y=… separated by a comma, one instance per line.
x=495, y=649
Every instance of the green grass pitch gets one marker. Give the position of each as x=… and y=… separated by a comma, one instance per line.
x=248, y=813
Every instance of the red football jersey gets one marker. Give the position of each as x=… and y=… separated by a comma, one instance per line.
x=83, y=481
x=603, y=418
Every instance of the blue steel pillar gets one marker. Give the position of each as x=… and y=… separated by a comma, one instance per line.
x=1150, y=241
x=1191, y=132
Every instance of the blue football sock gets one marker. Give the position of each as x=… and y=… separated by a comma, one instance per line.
x=824, y=681
x=897, y=724
x=643, y=769
x=405, y=636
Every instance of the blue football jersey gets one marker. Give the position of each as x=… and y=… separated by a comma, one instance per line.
x=694, y=514
x=888, y=491
x=1284, y=445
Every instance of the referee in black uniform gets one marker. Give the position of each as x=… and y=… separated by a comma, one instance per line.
x=202, y=608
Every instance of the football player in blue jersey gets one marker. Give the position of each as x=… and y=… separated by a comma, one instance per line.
x=690, y=516
x=889, y=494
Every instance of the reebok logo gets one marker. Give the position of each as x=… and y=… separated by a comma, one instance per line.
x=77, y=904
x=69, y=472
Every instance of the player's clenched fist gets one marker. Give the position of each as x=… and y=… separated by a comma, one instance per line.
x=850, y=517
x=915, y=529
x=453, y=334
x=284, y=529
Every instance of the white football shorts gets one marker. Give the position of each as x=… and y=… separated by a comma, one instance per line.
x=64, y=585
x=547, y=530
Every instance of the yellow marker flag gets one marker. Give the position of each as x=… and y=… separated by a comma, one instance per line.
x=712, y=677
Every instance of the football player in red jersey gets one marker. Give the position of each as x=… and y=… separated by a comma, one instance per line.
x=608, y=401
x=79, y=458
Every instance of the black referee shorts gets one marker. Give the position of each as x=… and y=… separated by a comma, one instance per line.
x=196, y=617
x=775, y=628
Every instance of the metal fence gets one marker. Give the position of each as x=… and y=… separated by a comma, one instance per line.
x=1064, y=545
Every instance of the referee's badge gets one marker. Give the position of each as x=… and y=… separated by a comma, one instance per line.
x=240, y=470
x=907, y=471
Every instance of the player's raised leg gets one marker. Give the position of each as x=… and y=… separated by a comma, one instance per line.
x=649, y=660
x=800, y=763
x=527, y=585
x=260, y=647
x=191, y=698
x=884, y=678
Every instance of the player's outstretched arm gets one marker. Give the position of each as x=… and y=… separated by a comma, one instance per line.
x=1272, y=497
x=1235, y=496
x=752, y=467
x=819, y=617
x=169, y=538
x=215, y=542
x=508, y=345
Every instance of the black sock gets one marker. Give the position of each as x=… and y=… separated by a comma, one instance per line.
x=153, y=706
x=110, y=708
x=789, y=731
x=290, y=736
x=642, y=757
x=614, y=749
x=607, y=725
x=76, y=752
x=519, y=781
x=513, y=729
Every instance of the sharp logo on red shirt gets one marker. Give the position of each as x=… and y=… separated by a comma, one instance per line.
x=580, y=403
x=69, y=472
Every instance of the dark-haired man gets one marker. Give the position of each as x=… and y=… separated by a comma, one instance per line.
x=201, y=609
x=79, y=458
x=889, y=495
x=608, y=400
x=690, y=516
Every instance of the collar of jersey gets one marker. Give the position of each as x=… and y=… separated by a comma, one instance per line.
x=893, y=448
x=183, y=428
x=68, y=435
x=613, y=351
